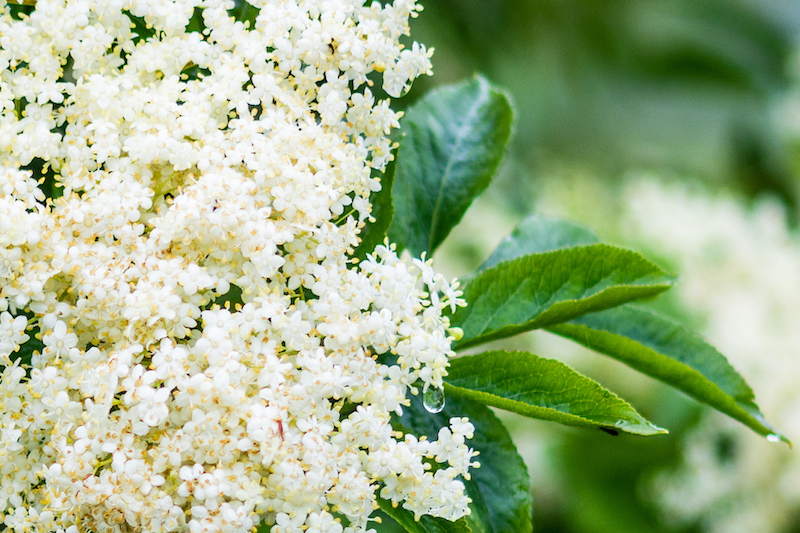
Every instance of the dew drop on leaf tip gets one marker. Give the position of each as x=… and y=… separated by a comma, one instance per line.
x=773, y=438
x=433, y=400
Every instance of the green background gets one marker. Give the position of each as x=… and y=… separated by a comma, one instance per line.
x=682, y=88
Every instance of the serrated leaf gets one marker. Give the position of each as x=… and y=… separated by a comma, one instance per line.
x=500, y=488
x=382, y=211
x=426, y=524
x=542, y=290
x=542, y=388
x=538, y=234
x=667, y=351
x=455, y=139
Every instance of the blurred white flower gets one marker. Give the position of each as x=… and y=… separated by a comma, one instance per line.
x=740, y=274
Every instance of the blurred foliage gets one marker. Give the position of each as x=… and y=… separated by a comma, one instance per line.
x=614, y=84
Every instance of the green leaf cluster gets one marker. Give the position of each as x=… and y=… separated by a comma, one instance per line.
x=547, y=274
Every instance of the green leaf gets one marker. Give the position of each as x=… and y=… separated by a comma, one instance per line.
x=455, y=139
x=26, y=350
x=426, y=524
x=244, y=12
x=537, y=234
x=140, y=27
x=229, y=299
x=382, y=211
x=673, y=354
x=500, y=488
x=542, y=388
x=542, y=290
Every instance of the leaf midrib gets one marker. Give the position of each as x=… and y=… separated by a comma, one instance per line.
x=582, y=297
x=462, y=391
x=666, y=360
x=459, y=140
x=597, y=400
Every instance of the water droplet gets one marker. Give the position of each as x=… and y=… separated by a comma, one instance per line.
x=621, y=423
x=773, y=438
x=433, y=400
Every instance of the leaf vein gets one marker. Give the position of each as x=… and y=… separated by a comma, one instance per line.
x=463, y=133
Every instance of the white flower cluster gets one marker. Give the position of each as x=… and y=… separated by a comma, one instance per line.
x=211, y=162
x=740, y=273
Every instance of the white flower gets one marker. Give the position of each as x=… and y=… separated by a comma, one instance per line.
x=153, y=410
x=12, y=335
x=60, y=342
x=137, y=385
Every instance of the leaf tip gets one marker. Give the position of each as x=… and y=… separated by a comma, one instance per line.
x=660, y=430
x=777, y=437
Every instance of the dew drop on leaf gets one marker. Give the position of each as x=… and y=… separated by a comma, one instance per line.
x=433, y=400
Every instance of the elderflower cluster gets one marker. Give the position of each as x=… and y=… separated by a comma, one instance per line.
x=192, y=161
x=741, y=275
